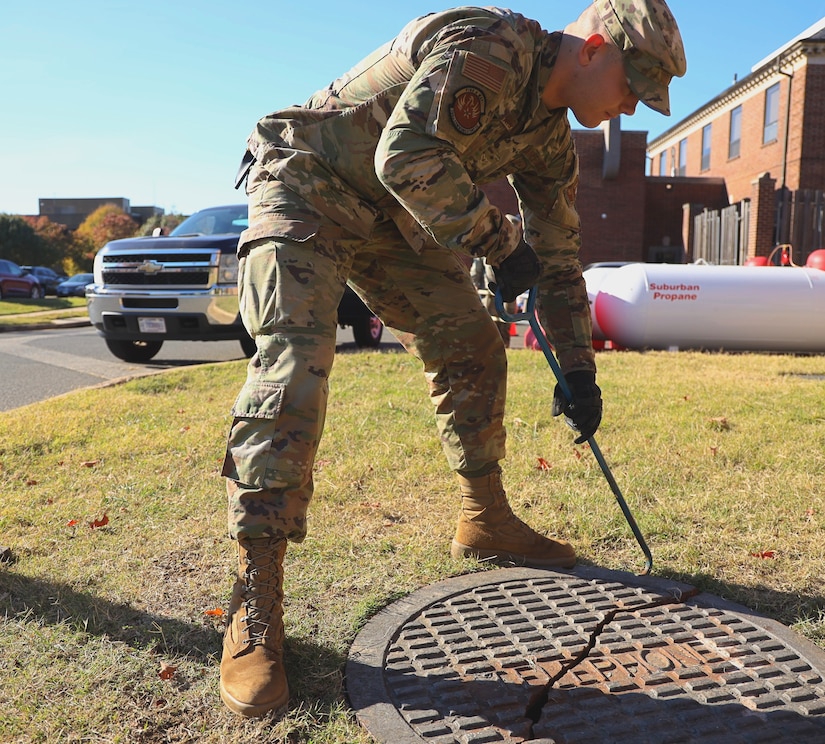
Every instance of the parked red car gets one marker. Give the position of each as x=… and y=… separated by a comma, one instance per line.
x=14, y=282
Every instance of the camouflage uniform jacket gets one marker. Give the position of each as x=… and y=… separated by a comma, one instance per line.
x=409, y=134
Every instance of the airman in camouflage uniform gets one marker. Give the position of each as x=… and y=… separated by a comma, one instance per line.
x=375, y=181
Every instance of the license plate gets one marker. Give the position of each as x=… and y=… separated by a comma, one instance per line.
x=152, y=325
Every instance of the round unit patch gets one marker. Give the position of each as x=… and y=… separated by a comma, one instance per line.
x=466, y=109
x=468, y=660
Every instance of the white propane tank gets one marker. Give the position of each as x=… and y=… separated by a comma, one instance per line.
x=594, y=275
x=699, y=306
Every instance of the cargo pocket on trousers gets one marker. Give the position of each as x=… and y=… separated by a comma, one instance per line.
x=248, y=451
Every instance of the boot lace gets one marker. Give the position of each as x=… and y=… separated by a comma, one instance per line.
x=263, y=591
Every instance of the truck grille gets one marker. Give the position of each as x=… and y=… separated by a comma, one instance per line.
x=173, y=269
x=163, y=278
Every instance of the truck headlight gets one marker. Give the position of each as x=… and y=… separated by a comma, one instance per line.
x=98, y=269
x=228, y=269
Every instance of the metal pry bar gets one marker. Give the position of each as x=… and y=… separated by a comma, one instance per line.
x=529, y=314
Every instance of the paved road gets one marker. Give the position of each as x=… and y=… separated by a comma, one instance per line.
x=36, y=365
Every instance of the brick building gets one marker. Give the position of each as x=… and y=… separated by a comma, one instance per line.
x=765, y=132
x=611, y=196
x=625, y=215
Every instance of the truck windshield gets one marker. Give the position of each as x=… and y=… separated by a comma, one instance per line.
x=214, y=221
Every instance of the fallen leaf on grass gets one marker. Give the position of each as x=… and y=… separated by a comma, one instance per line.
x=543, y=464
x=71, y=523
x=764, y=554
x=89, y=463
x=167, y=671
x=102, y=522
x=31, y=482
x=217, y=612
x=720, y=422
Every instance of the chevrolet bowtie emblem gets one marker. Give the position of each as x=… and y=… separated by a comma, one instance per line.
x=150, y=267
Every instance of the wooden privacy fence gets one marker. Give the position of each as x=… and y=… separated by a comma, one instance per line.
x=799, y=221
x=720, y=236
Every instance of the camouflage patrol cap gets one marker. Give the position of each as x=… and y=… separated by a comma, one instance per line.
x=647, y=35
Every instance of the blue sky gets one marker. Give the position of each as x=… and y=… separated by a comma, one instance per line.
x=153, y=100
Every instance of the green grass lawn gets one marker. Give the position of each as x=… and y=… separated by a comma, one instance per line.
x=24, y=311
x=720, y=457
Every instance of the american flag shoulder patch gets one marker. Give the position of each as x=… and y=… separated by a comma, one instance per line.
x=483, y=72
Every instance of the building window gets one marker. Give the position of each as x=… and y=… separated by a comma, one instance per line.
x=682, y=170
x=663, y=163
x=771, y=131
x=735, y=132
x=706, y=147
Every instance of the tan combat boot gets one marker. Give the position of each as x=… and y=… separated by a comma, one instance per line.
x=253, y=679
x=488, y=529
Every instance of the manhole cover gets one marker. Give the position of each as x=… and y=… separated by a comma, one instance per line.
x=468, y=659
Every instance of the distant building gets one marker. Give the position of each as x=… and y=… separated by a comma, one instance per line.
x=72, y=212
x=141, y=214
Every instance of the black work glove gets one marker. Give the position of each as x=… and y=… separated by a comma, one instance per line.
x=516, y=273
x=584, y=413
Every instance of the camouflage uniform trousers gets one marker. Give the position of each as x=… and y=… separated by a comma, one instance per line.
x=289, y=294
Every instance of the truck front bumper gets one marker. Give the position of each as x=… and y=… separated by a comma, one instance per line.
x=208, y=315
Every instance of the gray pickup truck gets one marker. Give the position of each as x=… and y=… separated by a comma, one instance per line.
x=183, y=287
